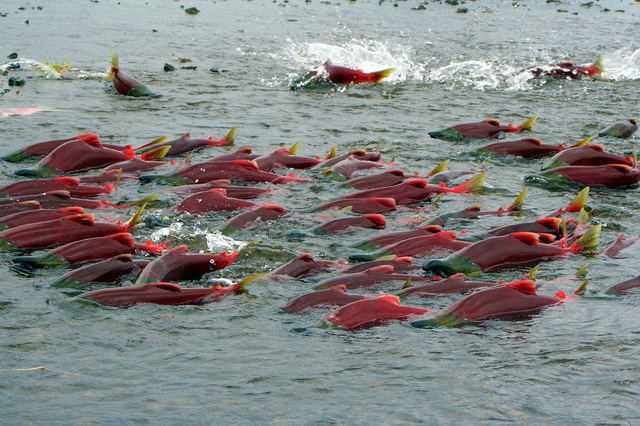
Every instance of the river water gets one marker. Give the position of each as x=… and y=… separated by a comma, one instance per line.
x=242, y=360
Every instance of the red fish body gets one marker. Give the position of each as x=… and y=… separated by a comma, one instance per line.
x=186, y=143
x=137, y=164
x=244, y=153
x=213, y=200
x=362, y=205
x=18, y=207
x=344, y=75
x=267, y=212
x=456, y=283
x=66, y=183
x=41, y=149
x=178, y=264
x=624, y=287
x=608, y=175
x=346, y=224
x=512, y=250
x=384, y=274
x=234, y=170
x=526, y=148
x=620, y=246
x=372, y=312
x=623, y=129
x=507, y=301
x=387, y=178
x=417, y=190
x=304, y=265
x=108, y=271
x=87, y=250
x=38, y=215
x=125, y=84
x=281, y=157
x=157, y=293
x=391, y=238
x=359, y=154
x=422, y=246
x=489, y=128
x=335, y=296
x=76, y=155
x=54, y=200
x=587, y=155
x=57, y=232
x=346, y=168
x=548, y=225
x=401, y=265
x=235, y=191
x=568, y=70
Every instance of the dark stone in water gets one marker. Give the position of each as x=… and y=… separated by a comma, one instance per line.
x=13, y=55
x=169, y=67
x=192, y=11
x=13, y=81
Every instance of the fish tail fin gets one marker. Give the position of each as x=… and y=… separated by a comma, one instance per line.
x=382, y=74
x=114, y=63
x=439, y=168
x=588, y=242
x=583, y=271
x=240, y=288
x=474, y=184
x=155, y=142
x=527, y=125
x=157, y=153
x=333, y=152
x=580, y=290
x=599, y=64
x=518, y=202
x=231, y=136
x=135, y=219
x=583, y=142
x=579, y=201
x=141, y=201
x=294, y=148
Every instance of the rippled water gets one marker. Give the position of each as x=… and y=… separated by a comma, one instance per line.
x=243, y=361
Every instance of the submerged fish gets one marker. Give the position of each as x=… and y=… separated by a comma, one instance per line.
x=480, y=130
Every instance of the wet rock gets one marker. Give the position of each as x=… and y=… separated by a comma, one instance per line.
x=13, y=81
x=192, y=11
x=168, y=67
x=13, y=55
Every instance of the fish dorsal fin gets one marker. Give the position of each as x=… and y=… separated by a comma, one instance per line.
x=417, y=183
x=67, y=180
x=180, y=249
x=59, y=193
x=126, y=257
x=523, y=286
x=72, y=210
x=31, y=203
x=551, y=222
x=83, y=218
x=305, y=257
x=382, y=269
x=390, y=298
x=376, y=218
x=434, y=229
x=123, y=237
x=623, y=168
x=246, y=164
x=405, y=260
x=533, y=141
x=546, y=238
x=166, y=286
x=274, y=207
x=530, y=238
x=340, y=288
x=219, y=191
x=492, y=121
x=449, y=235
x=396, y=172
x=459, y=276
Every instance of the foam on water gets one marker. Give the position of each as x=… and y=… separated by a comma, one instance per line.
x=622, y=64
x=368, y=55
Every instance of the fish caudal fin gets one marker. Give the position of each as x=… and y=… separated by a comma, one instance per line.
x=588, y=242
x=583, y=142
x=382, y=74
x=527, y=125
x=156, y=153
x=231, y=136
x=474, y=184
x=579, y=201
x=439, y=168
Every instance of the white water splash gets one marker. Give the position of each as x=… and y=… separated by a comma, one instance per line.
x=359, y=54
x=623, y=64
x=217, y=243
x=480, y=75
x=64, y=72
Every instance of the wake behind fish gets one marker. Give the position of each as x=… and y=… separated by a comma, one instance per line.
x=622, y=64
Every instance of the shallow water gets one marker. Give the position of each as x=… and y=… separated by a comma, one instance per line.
x=242, y=360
